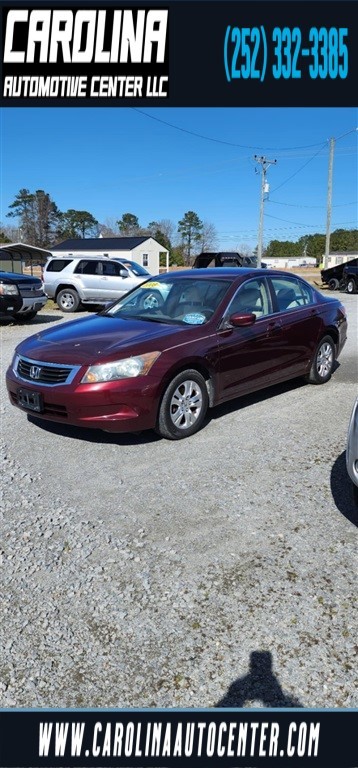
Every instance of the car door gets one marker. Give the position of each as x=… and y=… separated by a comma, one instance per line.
x=296, y=307
x=118, y=279
x=87, y=276
x=249, y=356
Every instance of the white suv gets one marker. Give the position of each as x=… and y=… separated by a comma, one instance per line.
x=75, y=280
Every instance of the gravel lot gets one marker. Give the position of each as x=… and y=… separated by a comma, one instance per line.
x=141, y=572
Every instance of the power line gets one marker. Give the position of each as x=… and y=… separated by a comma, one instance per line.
x=298, y=205
x=244, y=146
x=265, y=164
x=301, y=168
x=352, y=130
x=219, y=141
x=297, y=223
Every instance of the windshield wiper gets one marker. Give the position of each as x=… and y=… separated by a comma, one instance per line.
x=149, y=319
x=152, y=319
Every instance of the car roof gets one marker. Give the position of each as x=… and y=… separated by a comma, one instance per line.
x=222, y=272
x=92, y=256
x=61, y=256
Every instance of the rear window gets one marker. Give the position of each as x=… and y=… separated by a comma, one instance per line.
x=57, y=265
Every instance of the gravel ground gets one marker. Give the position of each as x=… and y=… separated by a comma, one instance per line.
x=221, y=569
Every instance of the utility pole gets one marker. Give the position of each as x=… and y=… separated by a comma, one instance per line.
x=265, y=164
x=329, y=200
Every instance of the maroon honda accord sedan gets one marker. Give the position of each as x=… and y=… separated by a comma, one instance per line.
x=176, y=345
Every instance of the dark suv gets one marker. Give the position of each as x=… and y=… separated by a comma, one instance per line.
x=350, y=278
x=21, y=296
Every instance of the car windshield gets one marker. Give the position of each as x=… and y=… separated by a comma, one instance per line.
x=137, y=269
x=186, y=301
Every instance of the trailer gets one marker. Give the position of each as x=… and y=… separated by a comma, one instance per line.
x=334, y=277
x=225, y=259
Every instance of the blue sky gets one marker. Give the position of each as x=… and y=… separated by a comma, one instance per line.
x=160, y=163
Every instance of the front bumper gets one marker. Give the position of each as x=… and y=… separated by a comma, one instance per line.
x=120, y=406
x=32, y=305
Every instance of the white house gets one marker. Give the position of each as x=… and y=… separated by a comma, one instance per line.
x=144, y=250
x=286, y=263
x=335, y=259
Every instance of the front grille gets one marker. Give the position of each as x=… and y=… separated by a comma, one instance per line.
x=31, y=291
x=44, y=373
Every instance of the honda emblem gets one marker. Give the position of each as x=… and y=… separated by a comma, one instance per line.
x=35, y=372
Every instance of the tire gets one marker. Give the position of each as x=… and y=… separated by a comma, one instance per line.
x=333, y=284
x=68, y=300
x=184, y=406
x=153, y=300
x=351, y=285
x=323, y=362
x=21, y=317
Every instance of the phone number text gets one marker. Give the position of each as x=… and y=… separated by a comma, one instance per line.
x=251, y=53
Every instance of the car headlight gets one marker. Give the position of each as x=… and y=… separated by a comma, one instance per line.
x=14, y=362
x=128, y=368
x=8, y=290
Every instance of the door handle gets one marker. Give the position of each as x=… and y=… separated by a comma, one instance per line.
x=274, y=328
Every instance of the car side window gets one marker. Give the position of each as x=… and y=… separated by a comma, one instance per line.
x=57, y=265
x=110, y=268
x=307, y=293
x=85, y=267
x=291, y=293
x=252, y=297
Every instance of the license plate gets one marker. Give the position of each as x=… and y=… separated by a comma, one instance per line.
x=32, y=401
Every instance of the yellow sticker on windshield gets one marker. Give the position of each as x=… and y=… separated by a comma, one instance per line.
x=151, y=285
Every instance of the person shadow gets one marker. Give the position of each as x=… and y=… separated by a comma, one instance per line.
x=260, y=684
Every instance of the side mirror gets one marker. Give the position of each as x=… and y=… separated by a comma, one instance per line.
x=123, y=273
x=242, y=319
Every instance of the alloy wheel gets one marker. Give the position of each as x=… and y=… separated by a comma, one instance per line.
x=186, y=404
x=324, y=359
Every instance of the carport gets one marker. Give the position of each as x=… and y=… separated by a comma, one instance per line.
x=16, y=257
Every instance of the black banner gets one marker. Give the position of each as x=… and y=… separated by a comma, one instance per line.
x=189, y=737
x=202, y=54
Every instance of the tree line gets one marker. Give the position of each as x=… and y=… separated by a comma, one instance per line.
x=313, y=246
x=41, y=223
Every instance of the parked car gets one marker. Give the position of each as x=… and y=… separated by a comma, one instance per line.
x=214, y=335
x=21, y=296
x=352, y=451
x=350, y=278
x=75, y=280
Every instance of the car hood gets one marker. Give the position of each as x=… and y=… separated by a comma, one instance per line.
x=90, y=340
x=14, y=277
